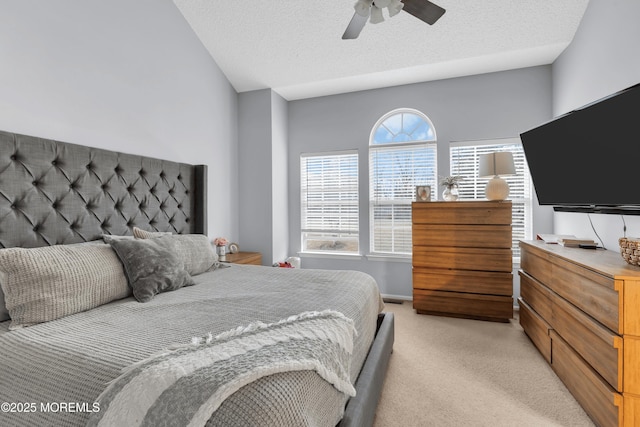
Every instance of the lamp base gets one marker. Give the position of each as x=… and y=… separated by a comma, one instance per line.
x=496, y=189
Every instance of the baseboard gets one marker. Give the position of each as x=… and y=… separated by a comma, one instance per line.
x=395, y=299
x=399, y=299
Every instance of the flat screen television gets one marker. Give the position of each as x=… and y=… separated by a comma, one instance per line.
x=587, y=160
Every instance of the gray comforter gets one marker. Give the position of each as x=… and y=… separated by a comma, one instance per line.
x=51, y=374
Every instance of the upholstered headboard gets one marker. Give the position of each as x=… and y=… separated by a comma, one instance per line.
x=54, y=192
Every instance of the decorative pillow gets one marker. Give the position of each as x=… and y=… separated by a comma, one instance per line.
x=195, y=251
x=152, y=266
x=139, y=233
x=47, y=283
x=108, y=238
x=4, y=313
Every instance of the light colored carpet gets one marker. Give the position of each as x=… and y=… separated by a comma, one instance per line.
x=457, y=372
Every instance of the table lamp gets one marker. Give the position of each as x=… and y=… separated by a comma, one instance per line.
x=493, y=165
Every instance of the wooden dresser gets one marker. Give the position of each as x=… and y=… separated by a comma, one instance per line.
x=462, y=260
x=581, y=309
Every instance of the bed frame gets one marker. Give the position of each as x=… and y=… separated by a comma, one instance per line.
x=54, y=192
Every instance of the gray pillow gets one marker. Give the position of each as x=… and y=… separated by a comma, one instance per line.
x=4, y=313
x=152, y=266
x=47, y=283
x=108, y=238
x=194, y=250
x=139, y=233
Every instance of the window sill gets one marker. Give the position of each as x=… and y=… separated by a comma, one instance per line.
x=337, y=255
x=389, y=257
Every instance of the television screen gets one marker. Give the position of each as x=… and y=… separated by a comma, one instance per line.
x=588, y=157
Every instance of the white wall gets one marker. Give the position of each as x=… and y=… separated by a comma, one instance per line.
x=484, y=106
x=602, y=59
x=122, y=75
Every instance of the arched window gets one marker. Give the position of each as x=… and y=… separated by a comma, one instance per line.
x=402, y=155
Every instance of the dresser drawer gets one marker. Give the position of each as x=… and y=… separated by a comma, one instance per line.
x=589, y=291
x=537, y=266
x=593, y=293
x=482, y=259
x=488, y=307
x=596, y=396
x=474, y=282
x=254, y=258
x=464, y=212
x=597, y=345
x=466, y=236
x=536, y=328
x=536, y=295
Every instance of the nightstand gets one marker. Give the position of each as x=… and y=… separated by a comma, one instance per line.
x=254, y=258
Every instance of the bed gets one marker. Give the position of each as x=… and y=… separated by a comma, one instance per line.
x=67, y=359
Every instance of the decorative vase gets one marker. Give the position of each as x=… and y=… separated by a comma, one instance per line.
x=222, y=251
x=450, y=193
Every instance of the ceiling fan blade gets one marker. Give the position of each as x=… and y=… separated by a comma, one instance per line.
x=355, y=26
x=424, y=10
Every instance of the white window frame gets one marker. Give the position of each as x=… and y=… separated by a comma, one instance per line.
x=521, y=188
x=398, y=227
x=329, y=205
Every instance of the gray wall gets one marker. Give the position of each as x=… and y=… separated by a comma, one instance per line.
x=263, y=175
x=125, y=76
x=133, y=77
x=254, y=170
x=602, y=59
x=484, y=106
x=280, y=178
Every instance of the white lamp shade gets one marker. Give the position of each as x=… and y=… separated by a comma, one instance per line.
x=493, y=165
x=496, y=164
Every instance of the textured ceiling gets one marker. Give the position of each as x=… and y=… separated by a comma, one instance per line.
x=295, y=47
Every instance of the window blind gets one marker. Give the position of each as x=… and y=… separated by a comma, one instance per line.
x=394, y=172
x=464, y=161
x=329, y=199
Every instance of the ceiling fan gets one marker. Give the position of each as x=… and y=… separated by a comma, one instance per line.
x=372, y=10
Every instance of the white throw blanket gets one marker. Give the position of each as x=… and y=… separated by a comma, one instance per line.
x=185, y=385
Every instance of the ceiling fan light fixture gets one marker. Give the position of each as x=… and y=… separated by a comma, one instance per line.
x=376, y=15
x=371, y=10
x=363, y=7
x=395, y=7
x=382, y=3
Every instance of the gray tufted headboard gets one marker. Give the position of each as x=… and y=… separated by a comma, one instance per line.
x=54, y=192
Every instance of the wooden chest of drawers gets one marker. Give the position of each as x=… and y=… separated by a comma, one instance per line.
x=254, y=258
x=462, y=259
x=581, y=309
